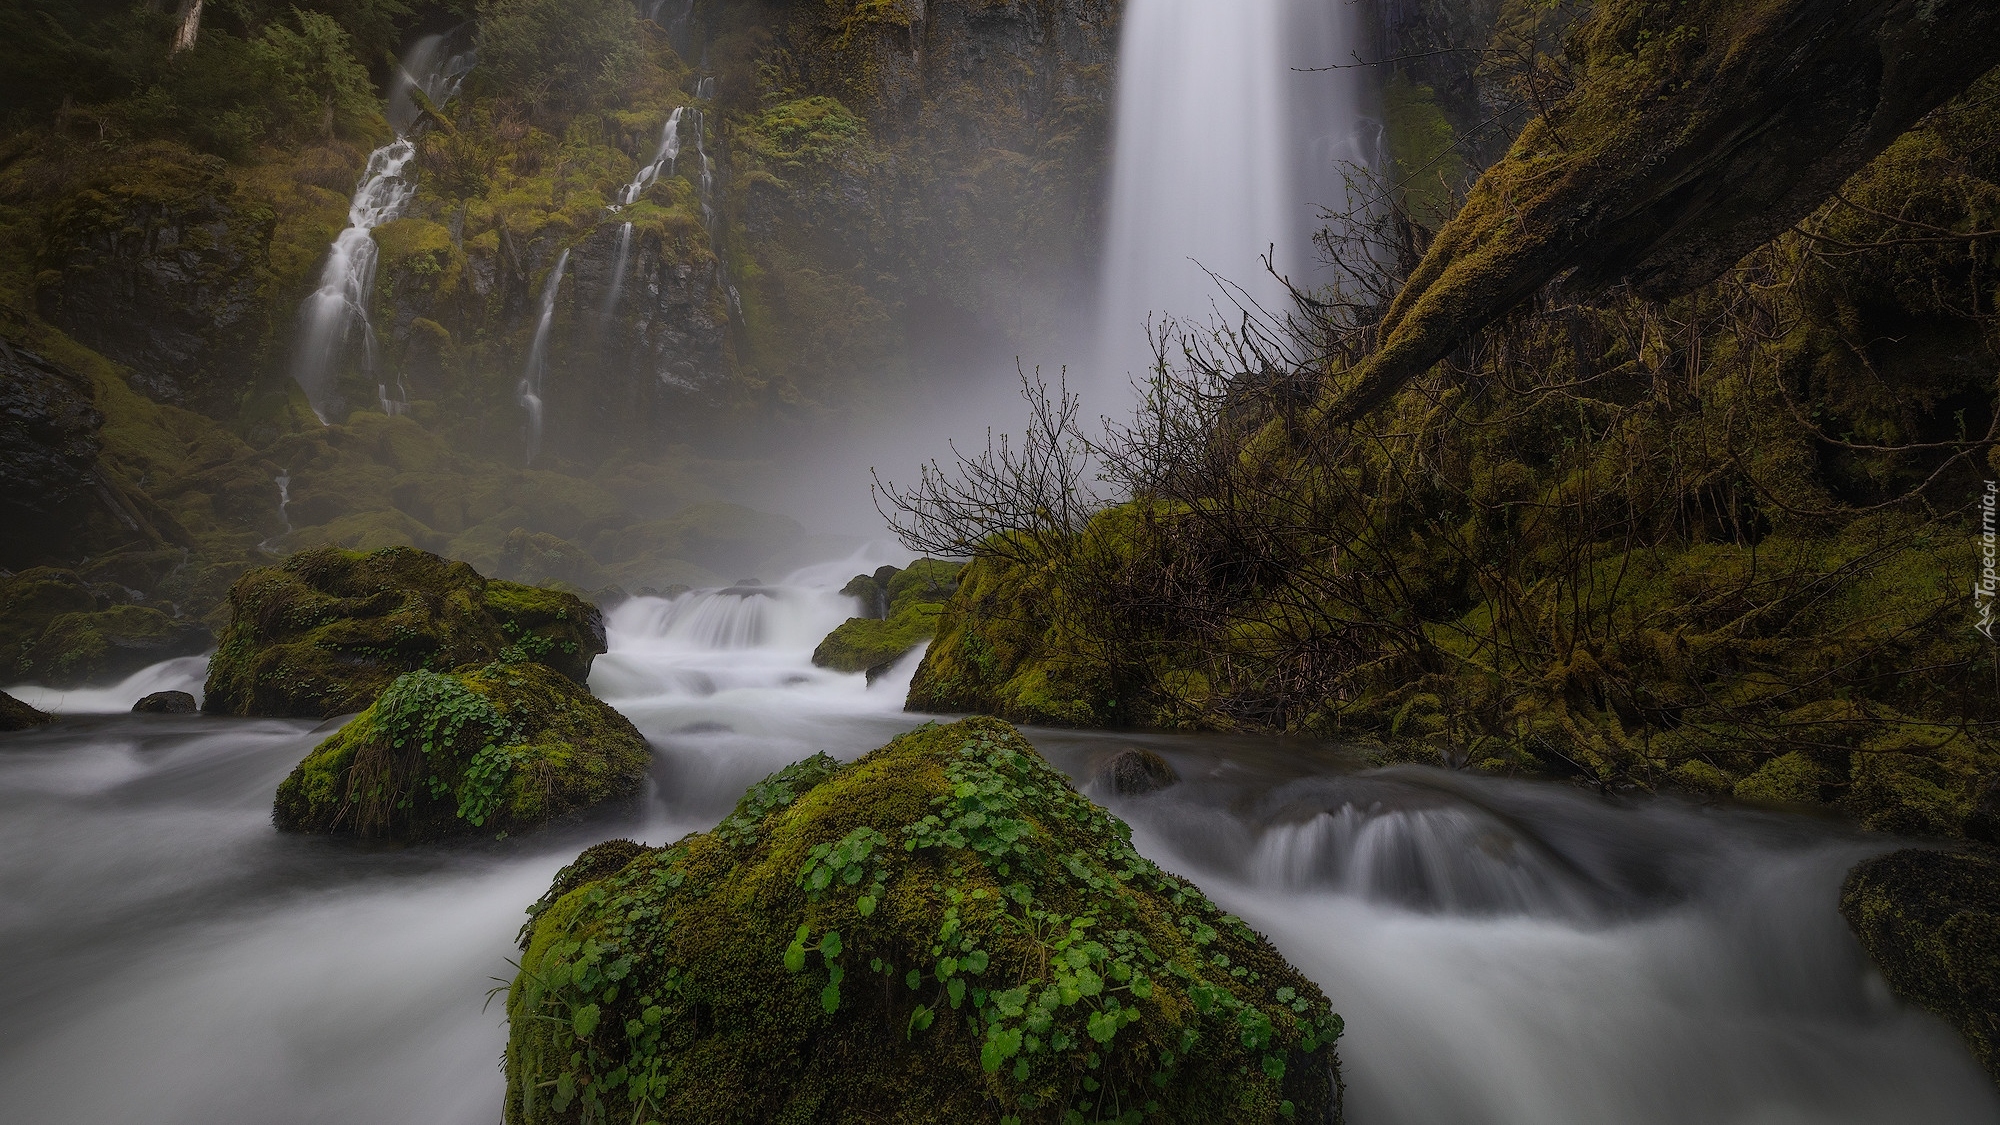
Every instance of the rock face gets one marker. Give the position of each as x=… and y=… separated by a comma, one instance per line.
x=1931, y=921
x=906, y=604
x=49, y=435
x=502, y=748
x=166, y=703
x=161, y=265
x=942, y=931
x=326, y=632
x=1696, y=133
x=16, y=715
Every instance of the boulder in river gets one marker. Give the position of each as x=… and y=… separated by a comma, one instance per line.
x=1135, y=772
x=486, y=750
x=900, y=610
x=324, y=633
x=943, y=930
x=1931, y=921
x=166, y=703
x=16, y=715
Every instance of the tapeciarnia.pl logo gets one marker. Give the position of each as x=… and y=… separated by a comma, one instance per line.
x=1988, y=586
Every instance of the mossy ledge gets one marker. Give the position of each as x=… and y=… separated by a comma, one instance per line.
x=324, y=633
x=1931, y=922
x=497, y=749
x=941, y=931
x=901, y=609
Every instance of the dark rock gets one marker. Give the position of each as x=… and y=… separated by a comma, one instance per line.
x=159, y=263
x=910, y=604
x=103, y=645
x=1746, y=122
x=1931, y=922
x=166, y=703
x=1135, y=772
x=327, y=631
x=49, y=435
x=16, y=715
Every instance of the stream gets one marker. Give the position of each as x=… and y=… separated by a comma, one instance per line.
x=1503, y=952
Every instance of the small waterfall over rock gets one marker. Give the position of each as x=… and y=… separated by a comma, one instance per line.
x=337, y=310
x=284, y=482
x=1215, y=173
x=663, y=163
x=538, y=357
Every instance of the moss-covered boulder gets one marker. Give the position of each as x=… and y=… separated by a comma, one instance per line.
x=105, y=645
x=909, y=603
x=1931, y=921
x=16, y=715
x=941, y=931
x=495, y=749
x=324, y=633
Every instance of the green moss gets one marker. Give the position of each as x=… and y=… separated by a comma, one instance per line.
x=81, y=648
x=326, y=632
x=29, y=601
x=915, y=598
x=1789, y=779
x=1931, y=921
x=1428, y=170
x=502, y=748
x=942, y=931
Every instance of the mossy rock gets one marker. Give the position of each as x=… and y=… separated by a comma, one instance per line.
x=16, y=715
x=327, y=631
x=1005, y=647
x=502, y=748
x=914, y=598
x=941, y=931
x=108, y=644
x=29, y=601
x=1931, y=921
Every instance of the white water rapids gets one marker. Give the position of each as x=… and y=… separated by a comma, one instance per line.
x=1504, y=953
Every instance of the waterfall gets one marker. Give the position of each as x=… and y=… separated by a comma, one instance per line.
x=538, y=357
x=284, y=482
x=331, y=317
x=667, y=156
x=1213, y=175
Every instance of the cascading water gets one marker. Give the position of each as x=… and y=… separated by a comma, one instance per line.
x=663, y=162
x=538, y=357
x=337, y=310
x=1212, y=173
x=1504, y=953
x=284, y=482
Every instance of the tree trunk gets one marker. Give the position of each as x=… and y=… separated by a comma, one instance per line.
x=190, y=17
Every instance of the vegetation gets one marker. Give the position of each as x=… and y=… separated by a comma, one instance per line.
x=943, y=930
x=498, y=749
x=16, y=715
x=328, y=631
x=904, y=611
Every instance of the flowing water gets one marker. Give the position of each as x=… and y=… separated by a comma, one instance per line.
x=1231, y=138
x=530, y=390
x=336, y=313
x=662, y=163
x=1503, y=952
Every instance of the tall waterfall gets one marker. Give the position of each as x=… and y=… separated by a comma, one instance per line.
x=538, y=357
x=1228, y=145
x=663, y=161
x=337, y=310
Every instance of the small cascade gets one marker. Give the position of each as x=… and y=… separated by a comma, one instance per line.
x=284, y=483
x=704, y=90
x=538, y=357
x=337, y=311
x=663, y=163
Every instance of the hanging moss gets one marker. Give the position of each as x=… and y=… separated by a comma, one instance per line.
x=942, y=931
x=498, y=749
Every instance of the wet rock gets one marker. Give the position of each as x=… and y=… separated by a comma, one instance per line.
x=1931, y=922
x=166, y=703
x=326, y=632
x=849, y=944
x=1135, y=772
x=502, y=748
x=910, y=600
x=49, y=435
x=16, y=715
x=109, y=644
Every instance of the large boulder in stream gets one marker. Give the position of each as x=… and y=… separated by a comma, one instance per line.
x=324, y=633
x=498, y=749
x=1931, y=921
x=900, y=611
x=943, y=930
x=16, y=715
